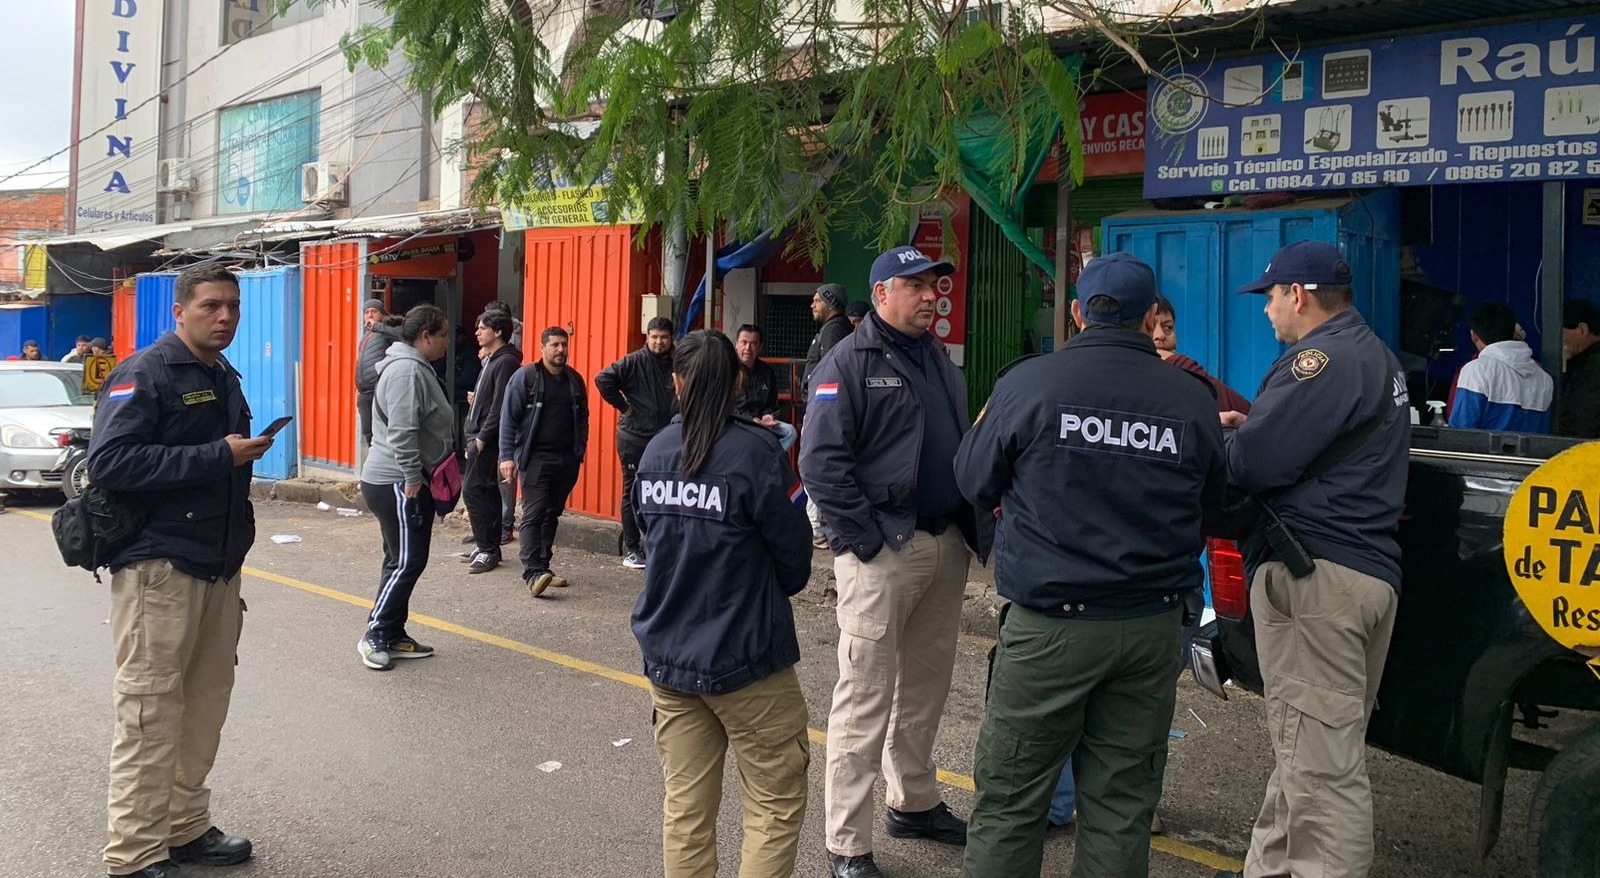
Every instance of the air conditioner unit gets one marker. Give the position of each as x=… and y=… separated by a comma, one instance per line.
x=323, y=183
x=173, y=175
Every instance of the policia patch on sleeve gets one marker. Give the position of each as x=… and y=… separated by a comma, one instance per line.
x=1308, y=364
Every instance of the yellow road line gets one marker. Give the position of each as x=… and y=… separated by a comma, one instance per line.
x=1163, y=844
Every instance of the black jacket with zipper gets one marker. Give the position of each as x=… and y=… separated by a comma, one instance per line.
x=483, y=420
x=523, y=403
x=642, y=382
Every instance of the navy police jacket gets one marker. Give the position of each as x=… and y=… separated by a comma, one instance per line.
x=860, y=449
x=727, y=548
x=158, y=439
x=1101, y=458
x=1337, y=378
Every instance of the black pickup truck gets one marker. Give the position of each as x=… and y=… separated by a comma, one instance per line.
x=1468, y=667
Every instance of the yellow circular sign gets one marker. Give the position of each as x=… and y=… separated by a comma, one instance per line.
x=1552, y=547
x=95, y=371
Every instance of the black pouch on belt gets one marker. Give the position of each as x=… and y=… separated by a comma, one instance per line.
x=1286, y=546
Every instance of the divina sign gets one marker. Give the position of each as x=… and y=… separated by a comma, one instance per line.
x=119, y=121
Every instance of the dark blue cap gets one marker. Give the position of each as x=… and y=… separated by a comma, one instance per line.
x=1308, y=263
x=904, y=262
x=1121, y=278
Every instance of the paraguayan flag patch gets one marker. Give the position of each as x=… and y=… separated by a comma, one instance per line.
x=827, y=391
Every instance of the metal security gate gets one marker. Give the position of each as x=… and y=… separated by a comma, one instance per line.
x=997, y=310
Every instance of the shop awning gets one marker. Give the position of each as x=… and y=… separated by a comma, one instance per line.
x=459, y=221
x=112, y=239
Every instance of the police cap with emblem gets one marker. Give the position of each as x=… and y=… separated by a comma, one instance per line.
x=1121, y=278
x=1307, y=263
x=905, y=262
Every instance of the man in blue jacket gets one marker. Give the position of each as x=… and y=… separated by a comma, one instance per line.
x=888, y=409
x=544, y=430
x=172, y=436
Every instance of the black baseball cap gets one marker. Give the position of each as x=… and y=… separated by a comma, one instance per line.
x=1122, y=278
x=1307, y=263
x=904, y=262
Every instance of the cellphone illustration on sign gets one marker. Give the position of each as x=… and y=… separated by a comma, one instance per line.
x=1293, y=83
x=1403, y=123
x=1347, y=74
x=1328, y=128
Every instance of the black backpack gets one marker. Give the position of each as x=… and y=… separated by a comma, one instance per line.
x=93, y=527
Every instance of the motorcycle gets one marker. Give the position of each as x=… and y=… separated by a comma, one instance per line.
x=73, y=463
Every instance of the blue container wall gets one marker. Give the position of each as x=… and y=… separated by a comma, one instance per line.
x=74, y=315
x=266, y=351
x=152, y=306
x=1201, y=257
x=18, y=325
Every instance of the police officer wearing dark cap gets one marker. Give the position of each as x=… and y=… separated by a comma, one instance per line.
x=888, y=409
x=1099, y=459
x=1325, y=448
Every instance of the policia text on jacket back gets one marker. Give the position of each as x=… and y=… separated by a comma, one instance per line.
x=171, y=433
x=1100, y=458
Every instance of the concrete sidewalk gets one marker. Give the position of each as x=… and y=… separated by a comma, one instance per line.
x=980, y=611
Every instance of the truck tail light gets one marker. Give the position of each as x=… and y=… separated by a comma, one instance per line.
x=1230, y=593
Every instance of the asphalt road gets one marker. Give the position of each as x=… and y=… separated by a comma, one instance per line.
x=434, y=769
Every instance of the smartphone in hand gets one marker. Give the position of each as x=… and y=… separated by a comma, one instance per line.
x=273, y=428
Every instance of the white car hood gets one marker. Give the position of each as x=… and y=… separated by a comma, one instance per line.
x=46, y=420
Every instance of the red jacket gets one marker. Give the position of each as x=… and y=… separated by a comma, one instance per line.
x=1228, y=399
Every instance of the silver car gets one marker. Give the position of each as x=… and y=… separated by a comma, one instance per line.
x=39, y=403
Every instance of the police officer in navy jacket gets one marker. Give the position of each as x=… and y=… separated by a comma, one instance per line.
x=727, y=546
x=1101, y=459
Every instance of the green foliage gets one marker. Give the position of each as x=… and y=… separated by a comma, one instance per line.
x=734, y=113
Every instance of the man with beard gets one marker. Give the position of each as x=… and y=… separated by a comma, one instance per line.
x=545, y=430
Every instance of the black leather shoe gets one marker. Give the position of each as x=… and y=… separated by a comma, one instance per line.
x=936, y=823
x=163, y=869
x=852, y=867
x=214, y=848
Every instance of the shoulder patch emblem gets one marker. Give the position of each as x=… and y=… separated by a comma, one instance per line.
x=1308, y=364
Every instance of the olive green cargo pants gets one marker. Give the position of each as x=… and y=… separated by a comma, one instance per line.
x=1102, y=690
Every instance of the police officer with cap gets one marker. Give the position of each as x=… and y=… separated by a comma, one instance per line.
x=888, y=409
x=1100, y=486
x=1325, y=448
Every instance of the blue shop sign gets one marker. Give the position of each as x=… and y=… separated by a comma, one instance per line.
x=1512, y=102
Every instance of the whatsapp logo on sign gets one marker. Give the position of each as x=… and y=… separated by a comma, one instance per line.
x=1552, y=548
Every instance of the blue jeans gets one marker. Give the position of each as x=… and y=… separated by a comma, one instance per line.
x=786, y=435
x=1065, y=799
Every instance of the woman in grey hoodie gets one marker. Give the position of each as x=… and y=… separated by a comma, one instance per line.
x=413, y=425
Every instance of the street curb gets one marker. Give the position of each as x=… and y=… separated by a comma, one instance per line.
x=980, y=607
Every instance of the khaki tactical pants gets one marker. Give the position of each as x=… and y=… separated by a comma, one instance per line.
x=176, y=640
x=899, y=615
x=1099, y=691
x=1322, y=642
x=765, y=723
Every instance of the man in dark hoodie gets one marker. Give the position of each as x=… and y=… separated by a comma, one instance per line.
x=640, y=386
x=481, y=490
x=373, y=345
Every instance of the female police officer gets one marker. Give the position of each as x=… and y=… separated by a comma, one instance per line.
x=726, y=548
